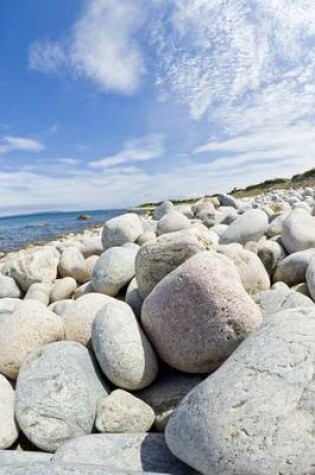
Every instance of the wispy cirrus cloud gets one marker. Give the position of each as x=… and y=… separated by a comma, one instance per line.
x=22, y=144
x=102, y=46
x=140, y=150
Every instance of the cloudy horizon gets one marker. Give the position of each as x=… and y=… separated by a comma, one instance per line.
x=109, y=104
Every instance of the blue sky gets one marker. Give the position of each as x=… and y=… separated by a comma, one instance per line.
x=108, y=103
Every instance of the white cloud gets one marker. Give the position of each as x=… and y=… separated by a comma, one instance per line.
x=141, y=150
x=46, y=56
x=22, y=144
x=102, y=46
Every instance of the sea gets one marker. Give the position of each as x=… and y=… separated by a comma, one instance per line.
x=18, y=231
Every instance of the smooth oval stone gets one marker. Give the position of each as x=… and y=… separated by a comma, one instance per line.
x=121, y=348
x=123, y=412
x=29, y=326
x=9, y=288
x=292, y=270
x=114, y=269
x=250, y=226
x=121, y=230
x=57, y=394
x=298, y=233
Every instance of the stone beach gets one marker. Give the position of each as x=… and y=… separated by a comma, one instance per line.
x=179, y=341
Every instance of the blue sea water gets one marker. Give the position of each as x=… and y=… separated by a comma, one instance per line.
x=17, y=231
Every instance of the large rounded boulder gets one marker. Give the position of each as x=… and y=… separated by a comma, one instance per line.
x=250, y=226
x=198, y=315
x=78, y=318
x=121, y=230
x=114, y=269
x=252, y=271
x=8, y=427
x=255, y=415
x=121, y=348
x=57, y=394
x=28, y=327
x=158, y=258
x=28, y=268
x=298, y=233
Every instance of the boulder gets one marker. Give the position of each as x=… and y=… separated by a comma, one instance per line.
x=162, y=210
x=114, y=269
x=164, y=394
x=72, y=264
x=61, y=306
x=145, y=237
x=57, y=394
x=227, y=200
x=147, y=452
x=8, y=428
x=123, y=412
x=134, y=298
x=92, y=247
x=158, y=258
x=122, y=349
x=78, y=317
x=29, y=326
x=255, y=414
x=250, y=226
x=310, y=278
x=28, y=268
x=172, y=222
x=11, y=458
x=40, y=292
x=298, y=232
x=63, y=289
x=186, y=210
x=273, y=301
x=292, y=270
x=198, y=315
x=120, y=230
x=252, y=271
x=9, y=288
x=64, y=469
x=84, y=289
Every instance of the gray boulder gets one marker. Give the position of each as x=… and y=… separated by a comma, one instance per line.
x=292, y=270
x=298, y=232
x=274, y=301
x=114, y=269
x=158, y=258
x=63, y=289
x=121, y=348
x=162, y=210
x=40, y=292
x=9, y=288
x=134, y=298
x=120, y=230
x=64, y=469
x=144, y=452
x=255, y=414
x=123, y=412
x=57, y=394
x=198, y=315
x=28, y=268
x=172, y=222
x=72, y=264
x=310, y=278
x=8, y=428
x=250, y=226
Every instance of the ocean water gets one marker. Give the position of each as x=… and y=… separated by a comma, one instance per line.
x=18, y=231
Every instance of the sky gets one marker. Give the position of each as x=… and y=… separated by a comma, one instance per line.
x=112, y=103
